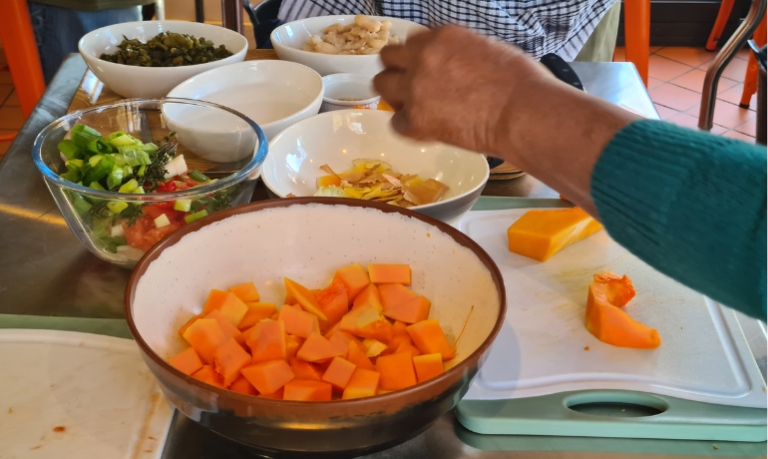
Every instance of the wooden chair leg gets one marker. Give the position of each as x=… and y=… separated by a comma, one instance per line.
x=637, y=34
x=21, y=50
x=750, y=79
x=722, y=18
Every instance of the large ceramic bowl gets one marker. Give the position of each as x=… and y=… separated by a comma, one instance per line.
x=336, y=138
x=307, y=240
x=274, y=94
x=289, y=38
x=151, y=82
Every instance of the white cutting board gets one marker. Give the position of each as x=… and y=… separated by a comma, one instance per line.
x=540, y=350
x=97, y=388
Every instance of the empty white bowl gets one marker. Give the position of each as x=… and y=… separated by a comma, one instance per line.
x=289, y=38
x=336, y=138
x=153, y=82
x=274, y=94
x=348, y=86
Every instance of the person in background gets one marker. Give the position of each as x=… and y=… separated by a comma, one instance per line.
x=59, y=25
x=581, y=30
x=688, y=203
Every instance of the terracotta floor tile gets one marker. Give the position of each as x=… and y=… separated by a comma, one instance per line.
x=694, y=80
x=736, y=70
x=665, y=69
x=730, y=116
x=5, y=91
x=11, y=118
x=685, y=120
x=718, y=130
x=5, y=77
x=653, y=49
x=665, y=113
x=675, y=97
x=744, y=54
x=733, y=96
x=740, y=136
x=689, y=56
x=653, y=83
x=12, y=100
x=749, y=128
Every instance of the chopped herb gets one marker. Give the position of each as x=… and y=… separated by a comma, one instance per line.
x=198, y=176
x=155, y=172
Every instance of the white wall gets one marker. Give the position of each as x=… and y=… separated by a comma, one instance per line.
x=184, y=10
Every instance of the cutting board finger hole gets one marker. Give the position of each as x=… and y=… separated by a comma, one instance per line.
x=616, y=404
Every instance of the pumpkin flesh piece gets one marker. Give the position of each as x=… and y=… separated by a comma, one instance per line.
x=539, y=234
x=396, y=371
x=390, y=274
x=268, y=377
x=298, y=322
x=428, y=337
x=354, y=278
x=228, y=359
x=307, y=391
x=363, y=383
x=267, y=342
x=205, y=335
x=256, y=313
x=428, y=366
x=186, y=361
x=334, y=303
x=303, y=298
x=228, y=304
x=246, y=292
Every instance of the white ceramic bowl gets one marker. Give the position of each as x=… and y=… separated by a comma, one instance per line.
x=274, y=94
x=289, y=38
x=348, y=86
x=336, y=138
x=153, y=82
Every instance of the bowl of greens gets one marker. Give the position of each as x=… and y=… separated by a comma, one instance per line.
x=123, y=178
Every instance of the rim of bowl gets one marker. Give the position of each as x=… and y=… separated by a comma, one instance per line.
x=320, y=95
x=347, y=77
x=234, y=56
x=273, y=34
x=458, y=237
x=226, y=182
x=265, y=177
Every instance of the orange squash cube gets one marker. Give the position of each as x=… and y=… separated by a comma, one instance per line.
x=267, y=377
x=341, y=341
x=329, y=333
x=428, y=337
x=395, y=294
x=334, y=303
x=246, y=292
x=339, y=372
x=428, y=366
x=539, y=234
x=186, y=361
x=305, y=370
x=230, y=330
x=367, y=322
x=307, y=391
x=356, y=355
x=228, y=359
x=277, y=395
x=368, y=296
x=410, y=312
x=229, y=305
x=396, y=371
x=316, y=348
x=373, y=347
x=390, y=274
x=354, y=278
x=408, y=347
x=298, y=322
x=292, y=345
x=256, y=313
x=207, y=375
x=399, y=328
x=304, y=298
x=189, y=322
x=205, y=335
x=267, y=342
x=243, y=386
x=363, y=383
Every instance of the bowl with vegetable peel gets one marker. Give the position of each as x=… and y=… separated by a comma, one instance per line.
x=123, y=179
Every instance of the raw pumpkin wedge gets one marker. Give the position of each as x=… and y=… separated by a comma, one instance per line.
x=256, y=312
x=428, y=337
x=305, y=370
x=395, y=294
x=292, y=345
x=366, y=322
x=356, y=355
x=208, y=375
x=189, y=322
x=228, y=359
x=341, y=340
x=304, y=298
x=363, y=383
x=307, y=391
x=187, y=361
x=428, y=366
x=246, y=292
x=368, y=296
x=228, y=304
x=373, y=348
x=230, y=330
x=277, y=395
x=354, y=278
x=411, y=311
x=338, y=373
x=539, y=234
x=390, y=274
x=298, y=322
x=268, y=377
x=267, y=342
x=608, y=292
x=396, y=371
x=205, y=335
x=399, y=327
x=243, y=386
x=334, y=303
x=316, y=348
x=408, y=347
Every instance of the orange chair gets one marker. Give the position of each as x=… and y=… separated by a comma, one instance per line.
x=637, y=34
x=750, y=80
x=722, y=18
x=21, y=50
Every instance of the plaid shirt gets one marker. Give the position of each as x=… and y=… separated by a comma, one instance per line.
x=538, y=27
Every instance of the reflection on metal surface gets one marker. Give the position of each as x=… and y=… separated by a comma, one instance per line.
x=54, y=219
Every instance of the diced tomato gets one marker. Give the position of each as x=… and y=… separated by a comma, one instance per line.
x=153, y=211
x=190, y=182
x=134, y=234
x=169, y=186
x=154, y=235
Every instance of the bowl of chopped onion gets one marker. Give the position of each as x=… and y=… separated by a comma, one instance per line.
x=355, y=154
x=341, y=44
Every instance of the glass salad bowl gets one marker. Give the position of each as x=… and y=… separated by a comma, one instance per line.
x=126, y=174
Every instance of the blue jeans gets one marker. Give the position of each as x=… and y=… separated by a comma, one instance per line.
x=57, y=30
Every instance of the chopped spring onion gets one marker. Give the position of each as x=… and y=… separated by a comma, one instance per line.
x=182, y=205
x=116, y=207
x=129, y=186
x=196, y=216
x=70, y=150
x=94, y=160
x=198, y=176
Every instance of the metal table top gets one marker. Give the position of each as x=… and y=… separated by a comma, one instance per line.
x=45, y=271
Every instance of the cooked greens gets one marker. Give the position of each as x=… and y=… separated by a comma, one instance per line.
x=167, y=49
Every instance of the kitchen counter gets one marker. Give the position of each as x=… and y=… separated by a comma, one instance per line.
x=45, y=271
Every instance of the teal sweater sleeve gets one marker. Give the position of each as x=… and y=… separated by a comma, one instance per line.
x=690, y=204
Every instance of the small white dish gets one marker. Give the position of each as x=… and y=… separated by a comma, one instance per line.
x=274, y=94
x=336, y=138
x=289, y=38
x=153, y=82
x=355, y=86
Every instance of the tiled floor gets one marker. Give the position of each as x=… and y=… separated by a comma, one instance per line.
x=675, y=81
x=676, y=76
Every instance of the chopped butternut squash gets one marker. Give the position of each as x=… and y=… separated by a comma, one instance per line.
x=316, y=348
x=390, y=274
x=207, y=375
x=304, y=298
x=228, y=304
x=230, y=330
x=267, y=342
x=292, y=345
x=298, y=322
x=246, y=292
x=256, y=313
x=277, y=395
x=187, y=361
x=411, y=311
x=354, y=278
x=228, y=359
x=368, y=296
x=205, y=335
x=539, y=234
x=397, y=371
x=356, y=354
x=189, y=322
x=267, y=377
x=428, y=366
x=395, y=294
x=428, y=337
x=305, y=370
x=243, y=386
x=307, y=391
x=339, y=372
x=334, y=303
x=363, y=383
